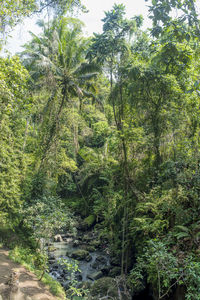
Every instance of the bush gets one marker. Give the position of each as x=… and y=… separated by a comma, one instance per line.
x=165, y=271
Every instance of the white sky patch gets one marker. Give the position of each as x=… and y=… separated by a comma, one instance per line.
x=98, y=7
x=20, y=35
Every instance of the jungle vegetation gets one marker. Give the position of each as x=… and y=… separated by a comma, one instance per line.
x=110, y=126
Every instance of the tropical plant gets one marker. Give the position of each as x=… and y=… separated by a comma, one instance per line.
x=56, y=59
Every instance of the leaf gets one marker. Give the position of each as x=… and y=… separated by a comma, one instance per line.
x=181, y=235
x=183, y=228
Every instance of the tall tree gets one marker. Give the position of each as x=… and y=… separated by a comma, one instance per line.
x=111, y=49
x=57, y=63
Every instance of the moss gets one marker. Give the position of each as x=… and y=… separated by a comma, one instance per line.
x=90, y=220
x=80, y=254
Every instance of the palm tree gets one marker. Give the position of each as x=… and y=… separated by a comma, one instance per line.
x=56, y=59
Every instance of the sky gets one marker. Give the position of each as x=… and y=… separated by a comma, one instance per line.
x=92, y=20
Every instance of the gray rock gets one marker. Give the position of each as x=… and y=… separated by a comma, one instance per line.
x=95, y=275
x=68, y=240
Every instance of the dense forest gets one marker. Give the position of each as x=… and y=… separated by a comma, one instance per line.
x=105, y=130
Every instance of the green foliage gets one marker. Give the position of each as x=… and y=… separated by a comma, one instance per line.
x=90, y=220
x=14, y=104
x=12, y=12
x=187, y=12
x=164, y=271
x=191, y=280
x=25, y=256
x=45, y=217
x=121, y=148
x=71, y=266
x=161, y=268
x=54, y=286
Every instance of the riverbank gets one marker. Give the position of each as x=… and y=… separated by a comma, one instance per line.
x=28, y=287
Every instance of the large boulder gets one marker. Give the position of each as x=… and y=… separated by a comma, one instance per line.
x=104, y=286
x=80, y=254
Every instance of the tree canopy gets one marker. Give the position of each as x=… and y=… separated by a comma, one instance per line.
x=107, y=128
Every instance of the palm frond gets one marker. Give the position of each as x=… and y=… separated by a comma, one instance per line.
x=86, y=68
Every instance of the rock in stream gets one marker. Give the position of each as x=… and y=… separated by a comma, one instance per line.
x=93, y=262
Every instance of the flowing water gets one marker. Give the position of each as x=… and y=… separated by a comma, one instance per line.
x=63, y=250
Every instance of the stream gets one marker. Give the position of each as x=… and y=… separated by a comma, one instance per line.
x=94, y=263
x=84, y=249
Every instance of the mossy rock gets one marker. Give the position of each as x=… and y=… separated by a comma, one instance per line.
x=52, y=249
x=104, y=286
x=90, y=248
x=79, y=254
x=95, y=243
